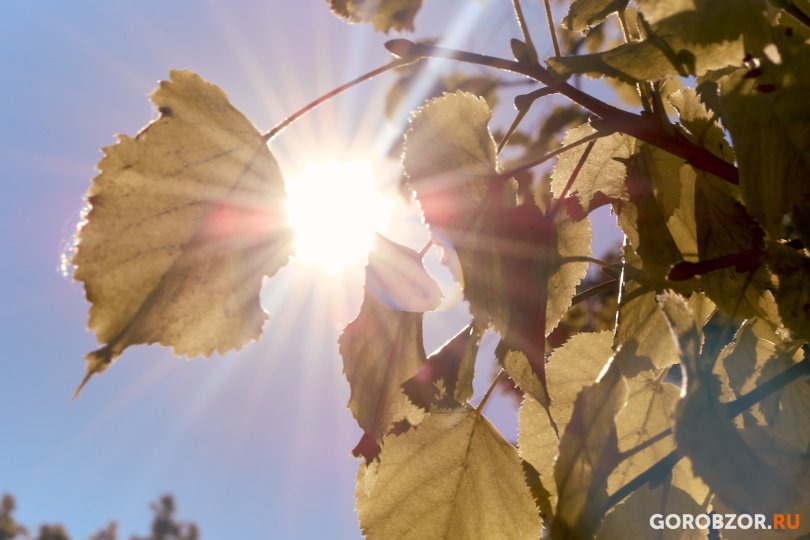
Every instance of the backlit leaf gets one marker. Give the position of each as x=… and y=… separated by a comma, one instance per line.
x=728, y=465
x=185, y=219
x=603, y=172
x=584, y=14
x=384, y=15
x=631, y=518
x=588, y=453
x=382, y=348
x=571, y=367
x=686, y=37
x=517, y=267
x=452, y=477
x=792, y=269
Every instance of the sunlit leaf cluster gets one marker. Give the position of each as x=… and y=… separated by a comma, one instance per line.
x=675, y=383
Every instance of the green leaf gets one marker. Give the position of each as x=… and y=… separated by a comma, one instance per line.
x=603, y=172
x=588, y=453
x=445, y=381
x=766, y=112
x=585, y=14
x=384, y=15
x=185, y=220
x=382, y=348
x=454, y=476
x=684, y=37
x=705, y=434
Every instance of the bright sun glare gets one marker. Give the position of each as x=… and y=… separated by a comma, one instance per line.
x=335, y=210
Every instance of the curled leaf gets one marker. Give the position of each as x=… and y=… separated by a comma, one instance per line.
x=185, y=219
x=382, y=347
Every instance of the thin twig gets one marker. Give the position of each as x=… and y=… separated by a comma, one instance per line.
x=329, y=95
x=551, y=30
x=525, y=29
x=505, y=175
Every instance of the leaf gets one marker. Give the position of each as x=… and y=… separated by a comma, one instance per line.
x=791, y=268
x=640, y=326
x=684, y=37
x=728, y=465
x=585, y=14
x=454, y=476
x=450, y=159
x=767, y=113
x=571, y=367
x=382, y=348
x=603, y=172
x=518, y=267
x=588, y=453
x=631, y=517
x=398, y=278
x=445, y=381
x=384, y=15
x=185, y=219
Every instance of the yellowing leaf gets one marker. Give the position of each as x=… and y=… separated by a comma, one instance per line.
x=384, y=15
x=641, y=325
x=685, y=37
x=185, y=219
x=382, y=348
x=519, y=268
x=649, y=413
x=603, y=172
x=584, y=14
x=450, y=159
x=452, y=477
x=588, y=453
x=571, y=367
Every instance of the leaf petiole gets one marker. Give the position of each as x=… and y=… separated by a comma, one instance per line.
x=399, y=62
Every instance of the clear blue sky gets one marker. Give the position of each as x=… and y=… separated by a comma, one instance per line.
x=254, y=444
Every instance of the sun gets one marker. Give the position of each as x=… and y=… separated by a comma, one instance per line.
x=335, y=210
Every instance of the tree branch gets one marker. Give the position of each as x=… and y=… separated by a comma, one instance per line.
x=642, y=127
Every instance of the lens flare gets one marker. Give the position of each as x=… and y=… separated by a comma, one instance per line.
x=334, y=210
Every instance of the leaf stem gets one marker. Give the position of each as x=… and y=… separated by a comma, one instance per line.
x=505, y=175
x=551, y=30
x=571, y=179
x=329, y=95
x=605, y=286
x=480, y=407
x=525, y=29
x=642, y=127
